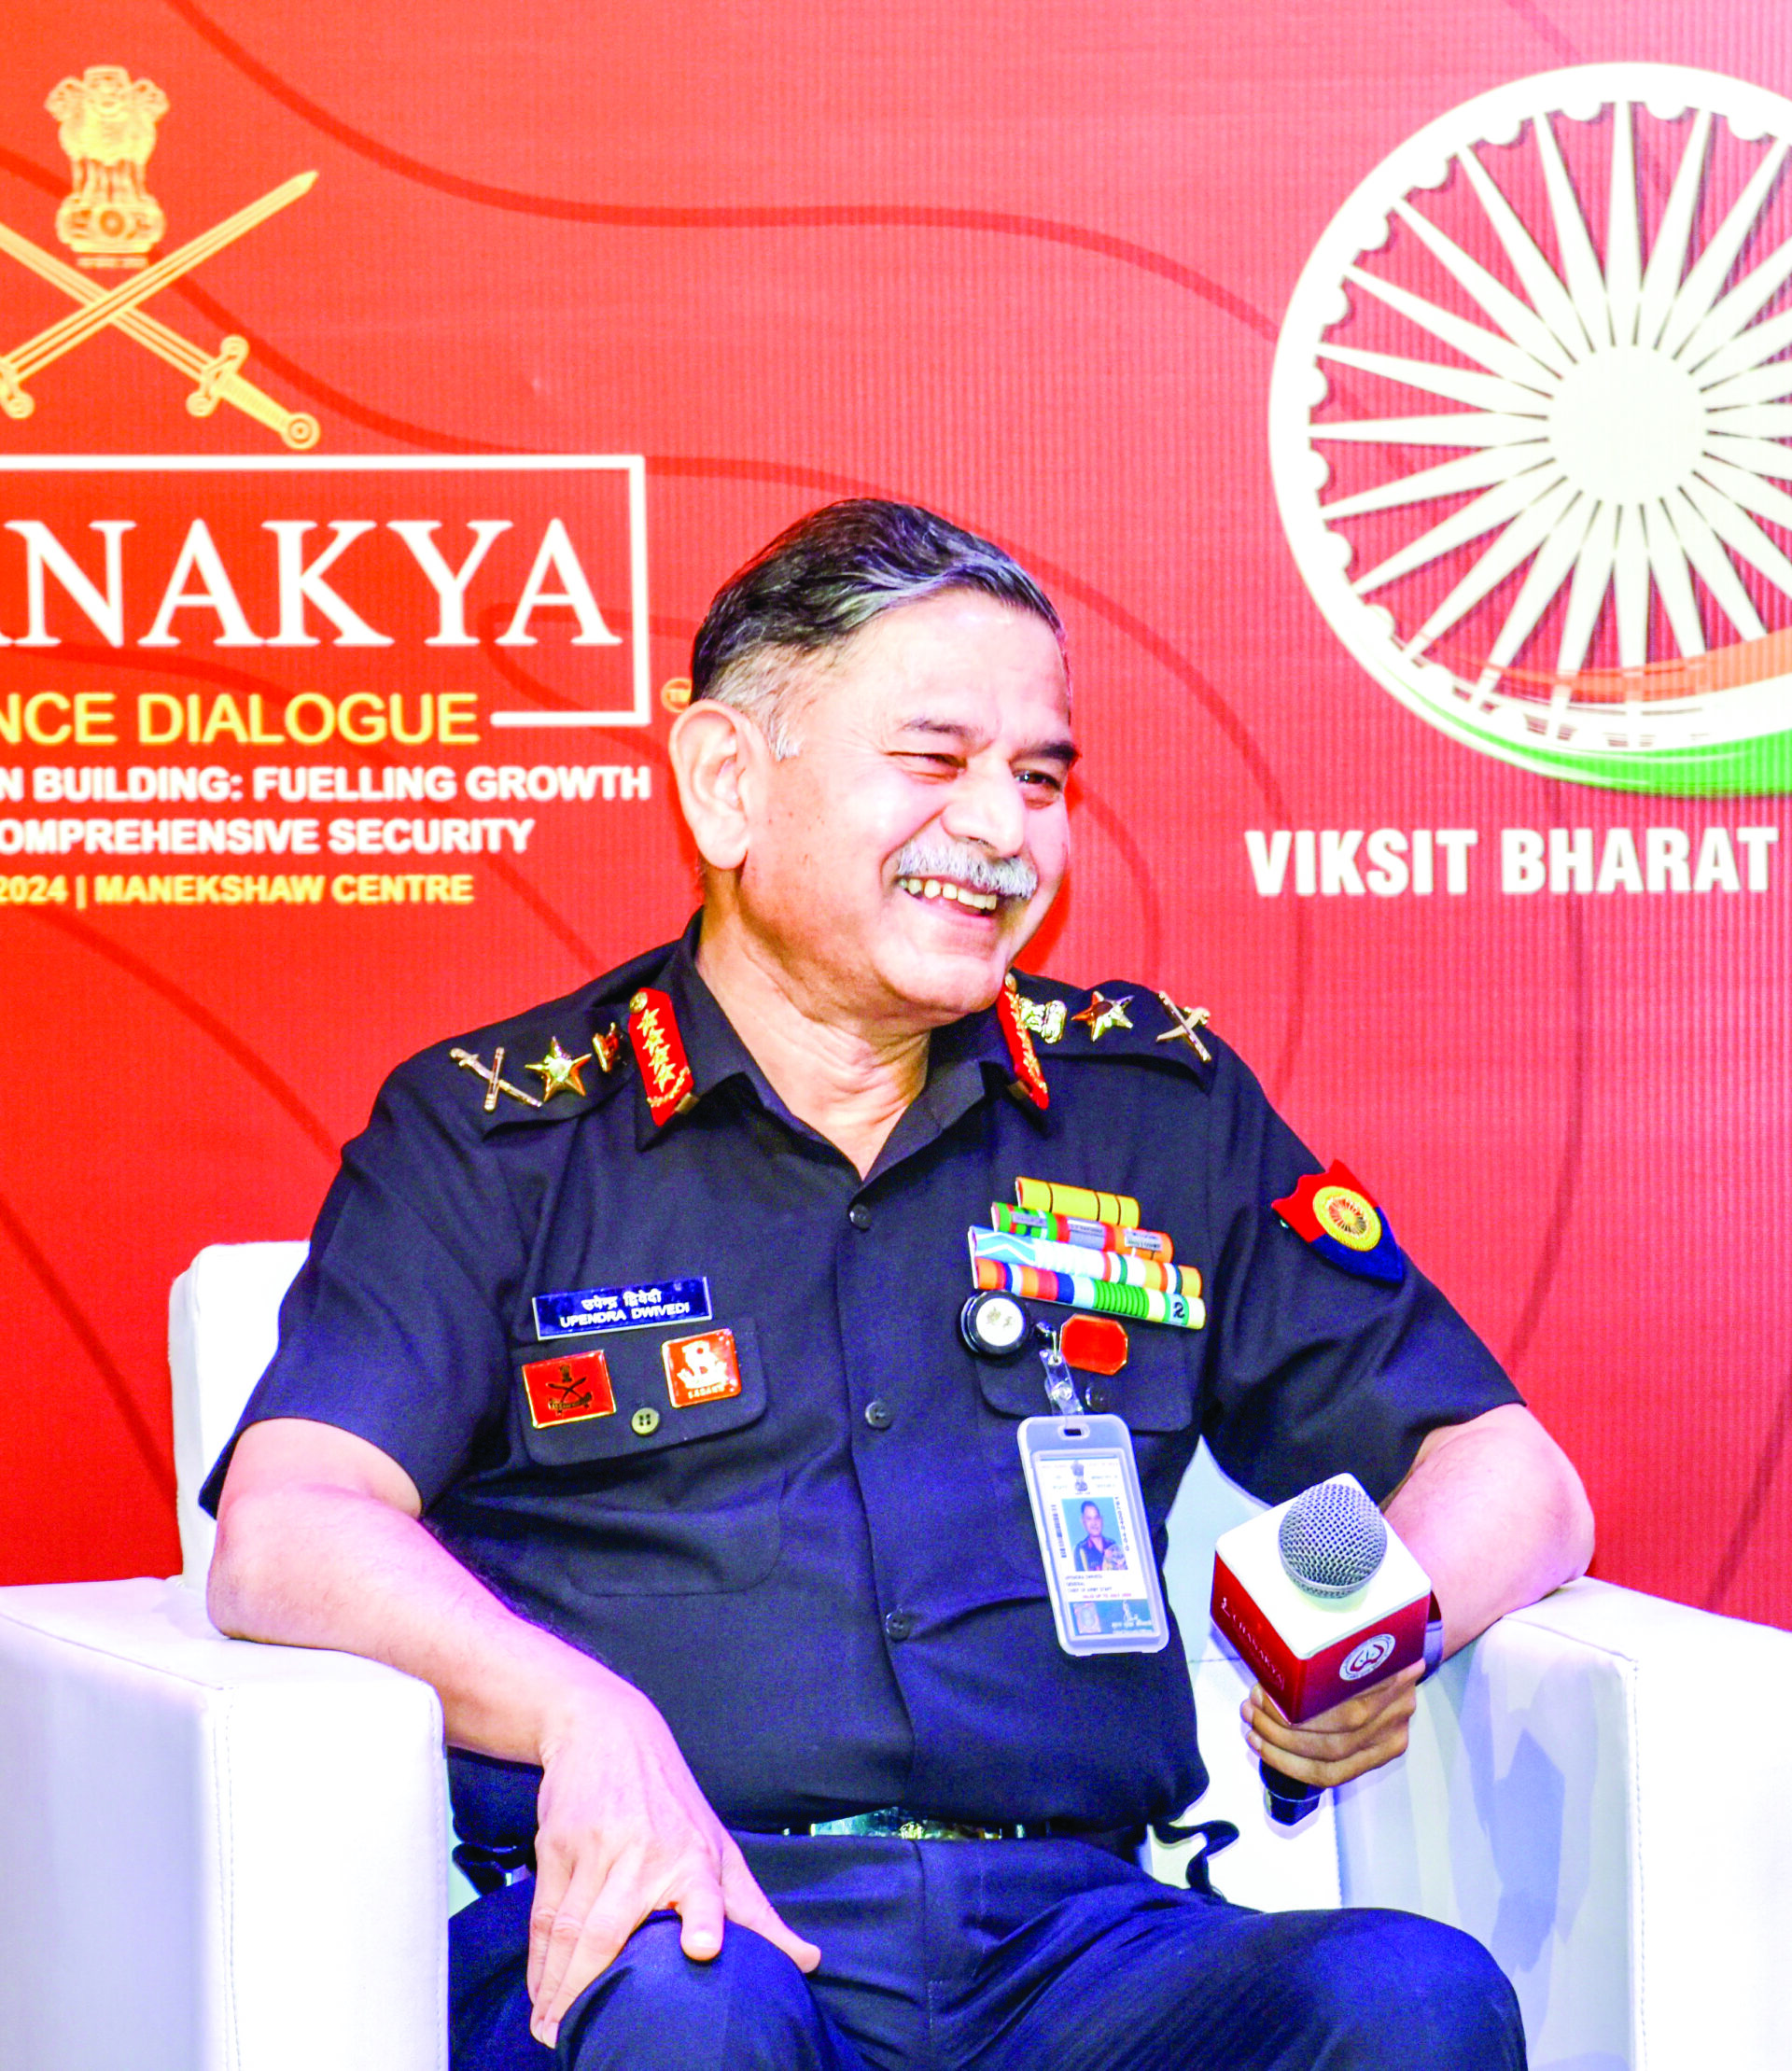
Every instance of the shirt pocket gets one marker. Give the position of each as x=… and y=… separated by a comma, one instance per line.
x=1154, y=1393
x=680, y=1551
x=606, y=1398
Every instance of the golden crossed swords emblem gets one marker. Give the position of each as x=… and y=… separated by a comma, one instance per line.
x=216, y=377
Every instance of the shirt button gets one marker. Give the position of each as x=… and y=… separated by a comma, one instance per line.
x=879, y=1414
x=859, y=1215
x=1095, y=1398
x=645, y=1422
x=898, y=1625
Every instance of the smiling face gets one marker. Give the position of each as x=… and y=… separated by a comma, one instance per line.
x=1091, y=1520
x=895, y=865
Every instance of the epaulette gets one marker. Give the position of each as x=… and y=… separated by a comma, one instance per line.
x=556, y=1061
x=1113, y=1019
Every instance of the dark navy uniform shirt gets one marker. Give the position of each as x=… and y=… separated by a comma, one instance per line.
x=828, y=1581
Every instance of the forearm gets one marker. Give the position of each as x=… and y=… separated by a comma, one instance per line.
x=1495, y=1514
x=319, y=1543
x=328, y=1567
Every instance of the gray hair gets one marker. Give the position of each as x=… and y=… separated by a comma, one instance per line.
x=820, y=582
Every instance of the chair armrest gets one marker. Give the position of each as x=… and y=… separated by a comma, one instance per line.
x=214, y=1856
x=1601, y=1790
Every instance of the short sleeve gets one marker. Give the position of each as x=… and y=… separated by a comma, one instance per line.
x=1314, y=1370
x=395, y=1327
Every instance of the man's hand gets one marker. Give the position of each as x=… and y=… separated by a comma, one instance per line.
x=319, y=1545
x=1496, y=1516
x=623, y=1831
x=1353, y=1738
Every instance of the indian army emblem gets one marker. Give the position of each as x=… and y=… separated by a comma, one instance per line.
x=111, y=222
x=109, y=218
x=569, y=1390
x=1044, y=1018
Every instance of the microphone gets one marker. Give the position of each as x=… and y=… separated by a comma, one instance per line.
x=1322, y=1600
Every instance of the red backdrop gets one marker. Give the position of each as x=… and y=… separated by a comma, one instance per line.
x=1025, y=263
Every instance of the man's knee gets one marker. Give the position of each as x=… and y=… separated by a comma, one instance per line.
x=747, y=2008
x=1392, y=1991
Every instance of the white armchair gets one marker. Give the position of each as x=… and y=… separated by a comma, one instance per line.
x=215, y=1856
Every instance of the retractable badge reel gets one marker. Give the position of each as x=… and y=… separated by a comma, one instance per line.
x=1082, y=1481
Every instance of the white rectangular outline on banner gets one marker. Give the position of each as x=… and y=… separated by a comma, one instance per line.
x=633, y=464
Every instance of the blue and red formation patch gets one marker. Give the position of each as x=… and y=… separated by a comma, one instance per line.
x=1333, y=1212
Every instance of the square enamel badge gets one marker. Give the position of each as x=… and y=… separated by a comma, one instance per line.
x=706, y=1368
x=569, y=1390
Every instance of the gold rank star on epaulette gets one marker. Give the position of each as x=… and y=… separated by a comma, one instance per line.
x=1103, y=1014
x=553, y=1065
x=560, y=1073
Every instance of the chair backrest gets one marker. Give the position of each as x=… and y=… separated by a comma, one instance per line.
x=223, y=1322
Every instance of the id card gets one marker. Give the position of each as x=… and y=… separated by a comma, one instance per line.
x=1093, y=1537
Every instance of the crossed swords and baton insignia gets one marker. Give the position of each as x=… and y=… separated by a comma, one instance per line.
x=216, y=377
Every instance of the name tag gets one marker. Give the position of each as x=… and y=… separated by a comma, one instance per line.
x=1094, y=1536
x=637, y=1308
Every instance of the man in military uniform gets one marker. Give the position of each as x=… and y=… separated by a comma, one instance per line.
x=624, y=1398
x=1095, y=1550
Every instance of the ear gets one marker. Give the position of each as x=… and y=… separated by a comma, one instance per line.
x=715, y=753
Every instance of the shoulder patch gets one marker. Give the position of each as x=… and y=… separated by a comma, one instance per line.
x=1333, y=1212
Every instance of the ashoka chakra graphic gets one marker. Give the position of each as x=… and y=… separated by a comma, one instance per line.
x=1530, y=413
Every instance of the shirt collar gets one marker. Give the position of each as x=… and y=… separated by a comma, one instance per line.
x=966, y=1060
x=715, y=1053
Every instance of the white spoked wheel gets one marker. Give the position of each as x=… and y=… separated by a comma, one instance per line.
x=1529, y=415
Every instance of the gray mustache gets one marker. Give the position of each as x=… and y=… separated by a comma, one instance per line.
x=1007, y=876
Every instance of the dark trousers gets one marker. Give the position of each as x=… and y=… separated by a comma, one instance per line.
x=1002, y=1957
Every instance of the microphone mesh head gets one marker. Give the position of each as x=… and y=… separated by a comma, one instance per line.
x=1332, y=1539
